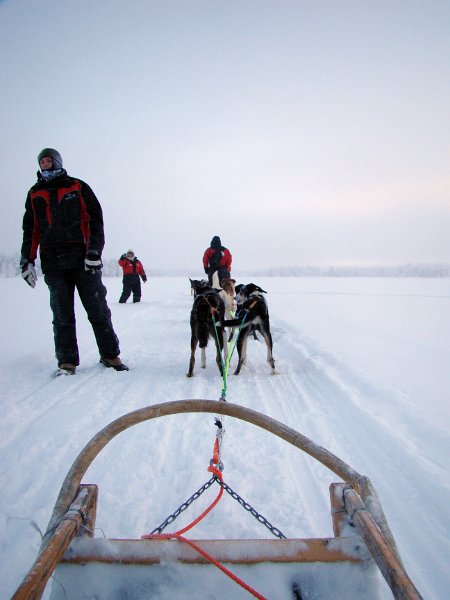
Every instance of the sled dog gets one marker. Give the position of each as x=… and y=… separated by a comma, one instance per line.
x=253, y=312
x=226, y=290
x=198, y=286
x=207, y=315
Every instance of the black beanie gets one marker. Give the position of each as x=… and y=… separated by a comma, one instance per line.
x=216, y=243
x=54, y=155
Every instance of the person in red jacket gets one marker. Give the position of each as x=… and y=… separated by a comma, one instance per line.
x=64, y=220
x=132, y=269
x=217, y=258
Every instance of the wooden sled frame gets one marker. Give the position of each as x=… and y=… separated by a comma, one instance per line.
x=354, y=501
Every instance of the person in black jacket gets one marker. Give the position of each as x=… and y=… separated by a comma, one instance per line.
x=64, y=219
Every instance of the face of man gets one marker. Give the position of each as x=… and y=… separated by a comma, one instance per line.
x=46, y=163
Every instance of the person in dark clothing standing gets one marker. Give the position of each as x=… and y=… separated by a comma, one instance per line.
x=132, y=271
x=64, y=219
x=217, y=258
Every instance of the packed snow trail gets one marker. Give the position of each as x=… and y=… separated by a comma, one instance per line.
x=321, y=390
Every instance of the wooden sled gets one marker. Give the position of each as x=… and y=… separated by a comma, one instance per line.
x=345, y=567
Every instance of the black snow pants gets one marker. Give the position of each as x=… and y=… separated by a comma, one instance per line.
x=92, y=294
x=131, y=283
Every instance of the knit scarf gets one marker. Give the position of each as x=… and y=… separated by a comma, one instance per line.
x=49, y=175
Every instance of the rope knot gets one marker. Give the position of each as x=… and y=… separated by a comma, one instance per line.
x=216, y=471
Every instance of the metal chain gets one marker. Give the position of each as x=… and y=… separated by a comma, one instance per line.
x=171, y=518
x=276, y=532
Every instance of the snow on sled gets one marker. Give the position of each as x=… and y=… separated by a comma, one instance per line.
x=170, y=566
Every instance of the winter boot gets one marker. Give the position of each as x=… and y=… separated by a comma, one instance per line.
x=66, y=369
x=114, y=363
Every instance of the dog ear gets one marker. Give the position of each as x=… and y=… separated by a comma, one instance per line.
x=252, y=287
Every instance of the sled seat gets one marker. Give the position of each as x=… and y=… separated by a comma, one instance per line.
x=104, y=569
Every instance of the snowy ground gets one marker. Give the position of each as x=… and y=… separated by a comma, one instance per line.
x=363, y=370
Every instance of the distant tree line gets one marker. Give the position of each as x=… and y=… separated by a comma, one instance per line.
x=9, y=267
x=404, y=270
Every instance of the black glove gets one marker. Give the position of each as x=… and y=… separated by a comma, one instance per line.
x=206, y=270
x=144, y=278
x=92, y=262
x=28, y=272
x=123, y=256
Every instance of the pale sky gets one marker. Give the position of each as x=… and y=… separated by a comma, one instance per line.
x=305, y=132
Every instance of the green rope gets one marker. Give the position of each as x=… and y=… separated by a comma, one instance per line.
x=224, y=368
x=226, y=363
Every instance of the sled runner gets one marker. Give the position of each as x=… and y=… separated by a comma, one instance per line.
x=162, y=566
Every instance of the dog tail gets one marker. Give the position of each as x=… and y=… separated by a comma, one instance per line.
x=199, y=320
x=203, y=336
x=202, y=327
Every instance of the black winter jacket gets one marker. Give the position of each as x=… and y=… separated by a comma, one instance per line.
x=64, y=219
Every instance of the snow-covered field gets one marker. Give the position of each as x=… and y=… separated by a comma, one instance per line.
x=363, y=370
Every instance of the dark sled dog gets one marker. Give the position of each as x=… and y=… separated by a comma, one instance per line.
x=199, y=286
x=240, y=299
x=254, y=313
x=207, y=315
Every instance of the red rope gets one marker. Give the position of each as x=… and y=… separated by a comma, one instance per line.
x=216, y=456
x=179, y=534
x=220, y=566
x=197, y=520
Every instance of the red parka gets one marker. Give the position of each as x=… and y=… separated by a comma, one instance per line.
x=132, y=267
x=225, y=260
x=64, y=219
